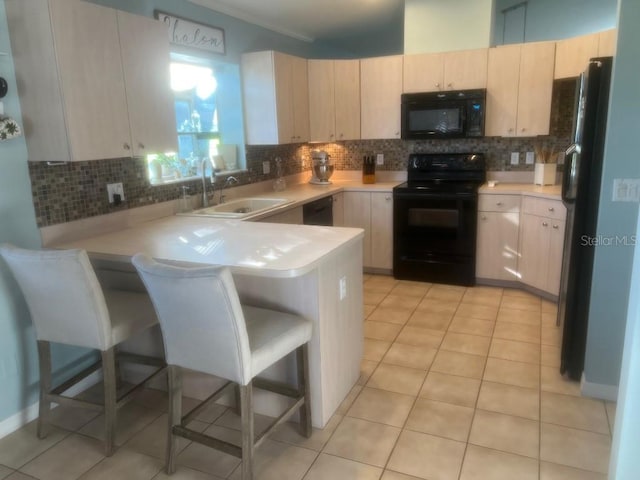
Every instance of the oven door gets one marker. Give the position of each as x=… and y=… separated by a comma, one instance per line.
x=435, y=236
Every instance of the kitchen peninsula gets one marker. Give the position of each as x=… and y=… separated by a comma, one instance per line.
x=315, y=272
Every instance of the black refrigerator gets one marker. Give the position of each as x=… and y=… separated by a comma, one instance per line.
x=581, y=195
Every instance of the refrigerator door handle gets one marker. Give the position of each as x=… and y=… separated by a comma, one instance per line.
x=570, y=176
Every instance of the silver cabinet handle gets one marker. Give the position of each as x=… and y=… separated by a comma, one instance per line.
x=387, y=198
x=449, y=84
x=331, y=136
x=438, y=85
x=551, y=209
x=523, y=129
x=484, y=217
x=126, y=146
x=499, y=204
x=545, y=224
x=556, y=227
x=141, y=145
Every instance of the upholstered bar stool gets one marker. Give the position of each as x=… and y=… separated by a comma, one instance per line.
x=206, y=329
x=68, y=305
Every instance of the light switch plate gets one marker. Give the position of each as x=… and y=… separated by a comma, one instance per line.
x=266, y=167
x=380, y=159
x=515, y=158
x=115, y=189
x=530, y=158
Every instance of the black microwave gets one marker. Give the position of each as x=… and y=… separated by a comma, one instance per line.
x=454, y=114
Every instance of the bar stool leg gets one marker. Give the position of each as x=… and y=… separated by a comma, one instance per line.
x=248, y=438
x=44, y=408
x=174, y=377
x=302, y=361
x=110, y=399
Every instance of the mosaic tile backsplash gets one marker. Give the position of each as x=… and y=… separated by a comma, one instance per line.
x=76, y=190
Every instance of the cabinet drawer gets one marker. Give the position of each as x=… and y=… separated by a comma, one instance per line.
x=498, y=203
x=544, y=207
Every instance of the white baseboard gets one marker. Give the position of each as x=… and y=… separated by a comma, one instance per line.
x=598, y=390
x=20, y=419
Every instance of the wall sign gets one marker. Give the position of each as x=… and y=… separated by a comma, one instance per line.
x=191, y=34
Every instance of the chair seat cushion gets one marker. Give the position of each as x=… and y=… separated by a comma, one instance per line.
x=130, y=313
x=272, y=335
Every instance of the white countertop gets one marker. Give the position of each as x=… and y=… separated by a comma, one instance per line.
x=550, y=191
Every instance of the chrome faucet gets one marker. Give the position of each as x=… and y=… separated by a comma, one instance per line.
x=229, y=181
x=203, y=167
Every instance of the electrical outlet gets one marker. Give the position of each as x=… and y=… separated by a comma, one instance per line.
x=626, y=190
x=266, y=167
x=115, y=189
x=343, y=288
x=530, y=158
x=515, y=158
x=380, y=159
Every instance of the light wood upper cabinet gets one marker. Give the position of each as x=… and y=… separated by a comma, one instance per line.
x=573, y=54
x=432, y=72
x=334, y=100
x=145, y=61
x=276, y=98
x=380, y=90
x=607, y=41
x=519, y=88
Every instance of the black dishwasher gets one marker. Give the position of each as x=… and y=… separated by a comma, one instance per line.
x=318, y=212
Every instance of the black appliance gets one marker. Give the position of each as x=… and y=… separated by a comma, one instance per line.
x=318, y=212
x=453, y=114
x=435, y=217
x=580, y=195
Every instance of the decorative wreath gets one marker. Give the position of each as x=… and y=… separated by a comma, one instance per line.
x=9, y=128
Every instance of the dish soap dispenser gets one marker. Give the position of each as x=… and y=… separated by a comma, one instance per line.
x=280, y=183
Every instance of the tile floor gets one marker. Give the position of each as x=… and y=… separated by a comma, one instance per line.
x=457, y=384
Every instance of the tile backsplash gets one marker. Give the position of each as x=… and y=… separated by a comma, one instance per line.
x=77, y=190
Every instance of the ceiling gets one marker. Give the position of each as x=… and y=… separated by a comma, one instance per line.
x=311, y=20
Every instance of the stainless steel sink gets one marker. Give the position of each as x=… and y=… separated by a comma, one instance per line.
x=241, y=207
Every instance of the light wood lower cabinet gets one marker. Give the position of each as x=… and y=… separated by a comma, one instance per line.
x=373, y=212
x=338, y=209
x=293, y=216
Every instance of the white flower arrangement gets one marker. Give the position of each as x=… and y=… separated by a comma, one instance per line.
x=9, y=128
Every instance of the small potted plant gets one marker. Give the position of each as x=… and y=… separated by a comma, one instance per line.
x=545, y=168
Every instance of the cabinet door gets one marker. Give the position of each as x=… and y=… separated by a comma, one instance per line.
x=423, y=72
x=465, y=69
x=145, y=61
x=338, y=210
x=573, y=54
x=502, y=91
x=357, y=213
x=283, y=73
x=321, y=100
x=259, y=98
x=90, y=68
x=347, y=99
x=300, y=93
x=381, y=87
x=534, y=248
x=607, y=42
x=382, y=230
x=535, y=88
x=556, y=247
x=497, y=246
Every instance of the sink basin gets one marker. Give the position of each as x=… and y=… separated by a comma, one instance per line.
x=241, y=207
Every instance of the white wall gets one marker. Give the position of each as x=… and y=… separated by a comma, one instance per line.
x=439, y=26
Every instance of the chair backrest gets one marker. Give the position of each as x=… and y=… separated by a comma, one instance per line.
x=63, y=294
x=200, y=316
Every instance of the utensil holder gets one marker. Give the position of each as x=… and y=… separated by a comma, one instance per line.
x=368, y=170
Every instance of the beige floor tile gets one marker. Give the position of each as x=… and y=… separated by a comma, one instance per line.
x=289, y=432
x=130, y=419
x=517, y=332
x=553, y=471
x=410, y=356
x=345, y=405
x=382, y=280
x=436, y=305
x=71, y=418
x=125, y=465
x=515, y=351
x=279, y=461
x=5, y=471
x=510, y=400
x=521, y=302
x=209, y=460
x=516, y=292
x=512, y=373
x=420, y=337
x=329, y=467
x=185, y=473
x=382, y=406
x=372, y=298
x=462, y=364
x=441, y=419
x=368, y=309
x=464, y=343
x=575, y=448
x=485, y=464
x=400, y=301
x=20, y=476
x=366, y=369
x=391, y=315
x=550, y=356
x=431, y=320
x=552, y=381
x=67, y=459
x=482, y=312
x=411, y=289
x=233, y=421
x=381, y=330
x=363, y=441
x=23, y=445
x=451, y=389
x=574, y=412
x=390, y=475
x=524, y=317
x=551, y=335
x=611, y=414
x=377, y=288
x=152, y=398
x=505, y=433
x=448, y=293
x=489, y=296
x=427, y=456
x=374, y=350
x=472, y=326
x=397, y=379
